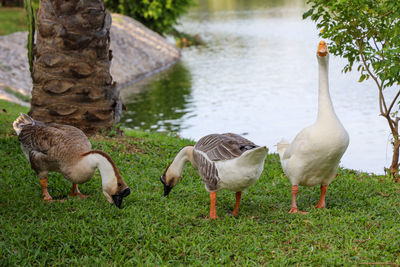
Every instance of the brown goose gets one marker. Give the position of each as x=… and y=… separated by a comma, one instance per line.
x=66, y=149
x=223, y=161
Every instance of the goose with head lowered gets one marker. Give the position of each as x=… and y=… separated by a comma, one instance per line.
x=66, y=149
x=314, y=155
x=223, y=161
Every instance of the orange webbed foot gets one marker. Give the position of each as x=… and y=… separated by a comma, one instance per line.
x=45, y=193
x=48, y=198
x=78, y=194
x=296, y=210
x=214, y=218
x=320, y=206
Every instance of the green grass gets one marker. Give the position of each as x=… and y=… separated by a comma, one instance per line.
x=12, y=20
x=8, y=113
x=360, y=224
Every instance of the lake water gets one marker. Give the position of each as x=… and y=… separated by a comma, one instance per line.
x=257, y=76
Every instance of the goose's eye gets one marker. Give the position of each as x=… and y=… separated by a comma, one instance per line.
x=119, y=185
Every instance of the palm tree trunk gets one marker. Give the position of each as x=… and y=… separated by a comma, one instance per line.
x=71, y=76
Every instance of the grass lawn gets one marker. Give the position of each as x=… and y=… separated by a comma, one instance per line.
x=12, y=20
x=359, y=226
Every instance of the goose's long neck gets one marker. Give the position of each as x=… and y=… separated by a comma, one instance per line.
x=178, y=164
x=107, y=168
x=325, y=107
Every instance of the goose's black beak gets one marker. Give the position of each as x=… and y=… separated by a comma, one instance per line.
x=167, y=188
x=120, y=196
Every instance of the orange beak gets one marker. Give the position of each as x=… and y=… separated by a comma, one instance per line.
x=322, y=49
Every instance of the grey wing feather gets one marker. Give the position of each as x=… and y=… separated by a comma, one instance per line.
x=224, y=146
x=207, y=170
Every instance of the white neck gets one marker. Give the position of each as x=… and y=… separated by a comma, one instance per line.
x=108, y=176
x=178, y=165
x=325, y=107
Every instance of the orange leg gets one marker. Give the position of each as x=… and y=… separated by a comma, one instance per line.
x=294, y=209
x=75, y=191
x=46, y=195
x=236, y=209
x=321, y=203
x=213, y=212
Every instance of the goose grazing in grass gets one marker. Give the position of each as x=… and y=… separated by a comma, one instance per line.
x=223, y=161
x=66, y=149
x=314, y=155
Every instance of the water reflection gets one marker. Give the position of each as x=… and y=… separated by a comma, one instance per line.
x=159, y=102
x=258, y=75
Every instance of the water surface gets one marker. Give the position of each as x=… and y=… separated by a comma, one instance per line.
x=257, y=76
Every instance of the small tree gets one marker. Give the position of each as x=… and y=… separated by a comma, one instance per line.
x=367, y=34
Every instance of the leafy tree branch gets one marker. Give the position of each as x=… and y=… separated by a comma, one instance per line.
x=367, y=33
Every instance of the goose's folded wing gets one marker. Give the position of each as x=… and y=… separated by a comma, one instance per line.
x=70, y=130
x=207, y=170
x=40, y=161
x=298, y=144
x=37, y=137
x=71, y=136
x=224, y=146
x=53, y=139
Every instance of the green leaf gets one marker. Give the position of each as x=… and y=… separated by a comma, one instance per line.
x=308, y=13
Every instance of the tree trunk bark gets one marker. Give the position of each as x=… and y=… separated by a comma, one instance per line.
x=71, y=76
x=394, y=167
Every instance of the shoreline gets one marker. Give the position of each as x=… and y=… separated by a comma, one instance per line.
x=137, y=51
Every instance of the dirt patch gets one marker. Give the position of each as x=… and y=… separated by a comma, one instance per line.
x=124, y=142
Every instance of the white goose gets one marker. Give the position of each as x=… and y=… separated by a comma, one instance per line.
x=66, y=149
x=223, y=161
x=314, y=155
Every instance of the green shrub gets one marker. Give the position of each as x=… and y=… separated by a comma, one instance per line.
x=159, y=15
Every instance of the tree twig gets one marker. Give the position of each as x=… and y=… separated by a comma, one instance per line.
x=394, y=100
x=382, y=104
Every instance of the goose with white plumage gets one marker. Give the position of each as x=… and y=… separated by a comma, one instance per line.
x=314, y=155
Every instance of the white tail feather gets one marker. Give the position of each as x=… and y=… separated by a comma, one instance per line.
x=22, y=120
x=254, y=156
x=281, y=147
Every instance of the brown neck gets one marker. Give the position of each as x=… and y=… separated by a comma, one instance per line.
x=109, y=159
